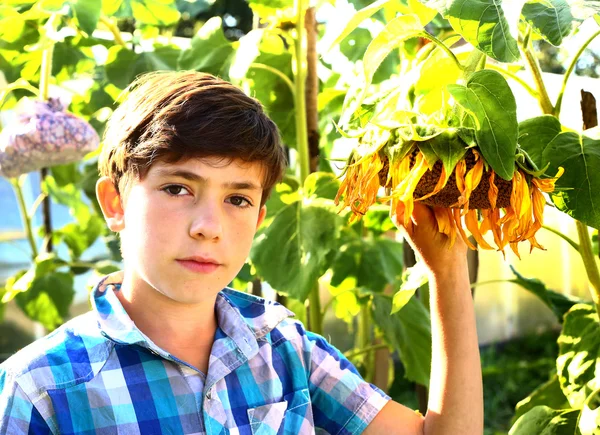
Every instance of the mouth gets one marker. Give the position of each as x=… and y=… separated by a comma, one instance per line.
x=199, y=264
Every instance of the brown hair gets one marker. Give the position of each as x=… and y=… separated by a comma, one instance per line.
x=170, y=116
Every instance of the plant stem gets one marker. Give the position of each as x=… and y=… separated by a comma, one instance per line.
x=16, y=183
x=278, y=73
x=367, y=349
x=46, y=74
x=443, y=47
x=363, y=338
x=300, y=94
x=534, y=68
x=572, y=66
x=567, y=239
x=113, y=29
x=516, y=78
x=315, y=315
x=587, y=255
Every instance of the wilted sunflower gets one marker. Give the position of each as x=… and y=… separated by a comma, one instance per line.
x=442, y=171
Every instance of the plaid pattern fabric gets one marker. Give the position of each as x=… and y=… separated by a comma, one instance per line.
x=267, y=375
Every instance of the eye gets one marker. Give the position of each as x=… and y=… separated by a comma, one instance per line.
x=240, y=201
x=175, y=190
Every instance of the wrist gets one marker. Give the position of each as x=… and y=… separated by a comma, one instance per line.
x=452, y=271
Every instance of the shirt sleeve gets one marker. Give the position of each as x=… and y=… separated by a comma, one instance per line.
x=342, y=401
x=17, y=413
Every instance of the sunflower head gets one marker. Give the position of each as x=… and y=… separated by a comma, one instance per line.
x=465, y=193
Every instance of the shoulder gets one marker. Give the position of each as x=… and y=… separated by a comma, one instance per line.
x=73, y=353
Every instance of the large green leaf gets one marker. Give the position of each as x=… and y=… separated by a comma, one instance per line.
x=209, y=50
x=554, y=20
x=358, y=18
x=578, y=362
x=44, y=294
x=87, y=13
x=322, y=185
x=150, y=12
x=548, y=394
x=559, y=303
x=381, y=264
x=123, y=65
x=543, y=420
x=447, y=147
x=396, y=31
x=291, y=253
x=259, y=54
x=490, y=25
x=489, y=100
x=589, y=421
x=580, y=157
x=48, y=300
x=409, y=332
x=535, y=134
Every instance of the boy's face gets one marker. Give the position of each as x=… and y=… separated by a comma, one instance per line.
x=187, y=227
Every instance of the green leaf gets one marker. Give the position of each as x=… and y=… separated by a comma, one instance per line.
x=322, y=185
x=48, y=299
x=580, y=157
x=548, y=394
x=535, y=134
x=290, y=254
x=555, y=20
x=412, y=279
x=447, y=147
x=578, y=362
x=542, y=420
x=489, y=100
x=559, y=303
x=551, y=19
x=425, y=13
x=154, y=12
x=409, y=332
x=357, y=19
x=490, y=25
x=269, y=8
x=209, y=50
x=346, y=262
x=381, y=264
x=396, y=31
x=87, y=13
x=589, y=421
x=123, y=65
x=269, y=49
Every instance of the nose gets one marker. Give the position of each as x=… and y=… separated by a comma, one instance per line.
x=206, y=222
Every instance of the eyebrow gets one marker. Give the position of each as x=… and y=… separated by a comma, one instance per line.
x=191, y=176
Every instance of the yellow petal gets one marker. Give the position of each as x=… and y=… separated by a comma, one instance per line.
x=472, y=180
x=473, y=226
x=547, y=184
x=407, y=187
x=493, y=191
x=459, y=172
x=441, y=183
x=459, y=227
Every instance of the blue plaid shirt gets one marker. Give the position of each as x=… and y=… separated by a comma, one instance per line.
x=99, y=374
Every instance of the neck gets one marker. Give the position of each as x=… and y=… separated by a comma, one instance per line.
x=186, y=331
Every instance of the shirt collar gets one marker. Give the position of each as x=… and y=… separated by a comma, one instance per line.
x=242, y=317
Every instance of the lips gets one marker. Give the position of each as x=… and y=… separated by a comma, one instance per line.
x=199, y=264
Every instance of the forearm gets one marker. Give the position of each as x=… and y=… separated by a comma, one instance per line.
x=456, y=391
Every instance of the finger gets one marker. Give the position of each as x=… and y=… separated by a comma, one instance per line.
x=422, y=214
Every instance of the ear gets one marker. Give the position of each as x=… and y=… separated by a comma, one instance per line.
x=110, y=202
x=261, y=216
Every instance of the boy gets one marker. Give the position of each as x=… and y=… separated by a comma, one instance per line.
x=187, y=165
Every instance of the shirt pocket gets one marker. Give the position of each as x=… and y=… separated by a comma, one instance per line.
x=291, y=416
